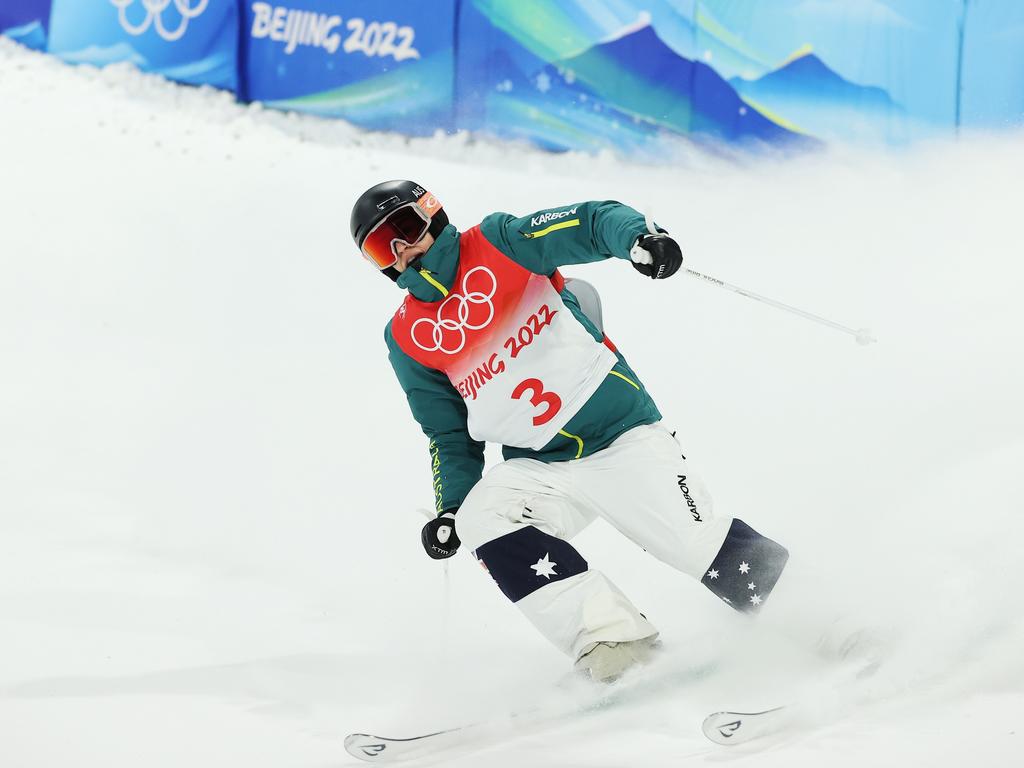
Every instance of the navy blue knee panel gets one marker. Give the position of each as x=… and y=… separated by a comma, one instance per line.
x=527, y=559
x=746, y=568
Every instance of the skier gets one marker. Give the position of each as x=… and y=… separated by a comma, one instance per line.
x=490, y=346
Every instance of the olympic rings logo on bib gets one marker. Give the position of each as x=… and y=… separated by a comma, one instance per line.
x=470, y=310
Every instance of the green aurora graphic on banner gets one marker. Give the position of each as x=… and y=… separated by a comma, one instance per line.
x=736, y=71
x=634, y=76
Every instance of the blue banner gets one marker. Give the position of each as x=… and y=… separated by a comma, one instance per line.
x=583, y=75
x=192, y=41
x=992, y=73
x=632, y=75
x=25, y=21
x=387, y=66
x=576, y=74
x=869, y=72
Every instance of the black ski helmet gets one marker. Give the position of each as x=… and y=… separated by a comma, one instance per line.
x=380, y=199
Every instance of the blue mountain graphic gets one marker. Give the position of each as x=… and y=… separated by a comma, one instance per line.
x=808, y=77
x=629, y=93
x=31, y=35
x=639, y=74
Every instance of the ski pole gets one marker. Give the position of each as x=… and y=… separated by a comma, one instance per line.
x=446, y=595
x=862, y=335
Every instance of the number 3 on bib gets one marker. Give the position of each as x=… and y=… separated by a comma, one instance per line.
x=552, y=401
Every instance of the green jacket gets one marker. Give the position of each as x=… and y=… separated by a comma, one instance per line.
x=540, y=242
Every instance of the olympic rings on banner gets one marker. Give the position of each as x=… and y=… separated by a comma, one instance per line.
x=155, y=16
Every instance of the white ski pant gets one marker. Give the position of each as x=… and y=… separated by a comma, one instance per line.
x=517, y=521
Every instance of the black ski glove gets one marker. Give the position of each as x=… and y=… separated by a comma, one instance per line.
x=657, y=256
x=439, y=537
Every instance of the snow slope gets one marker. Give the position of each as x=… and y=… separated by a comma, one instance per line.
x=209, y=480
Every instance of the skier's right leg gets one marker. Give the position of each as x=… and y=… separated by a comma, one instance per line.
x=517, y=521
x=643, y=485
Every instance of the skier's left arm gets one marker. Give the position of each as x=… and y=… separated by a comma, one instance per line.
x=582, y=233
x=457, y=460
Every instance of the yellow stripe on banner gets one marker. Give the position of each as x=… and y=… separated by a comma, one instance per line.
x=624, y=378
x=577, y=438
x=552, y=228
x=433, y=282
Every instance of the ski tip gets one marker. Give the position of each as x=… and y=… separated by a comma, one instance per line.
x=366, y=747
x=731, y=728
x=380, y=749
x=722, y=727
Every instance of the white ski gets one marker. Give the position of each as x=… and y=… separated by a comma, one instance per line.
x=386, y=749
x=730, y=728
x=382, y=749
x=726, y=728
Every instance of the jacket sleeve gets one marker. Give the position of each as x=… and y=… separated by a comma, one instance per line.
x=457, y=460
x=574, y=234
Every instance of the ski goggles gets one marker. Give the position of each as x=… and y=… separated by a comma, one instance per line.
x=405, y=225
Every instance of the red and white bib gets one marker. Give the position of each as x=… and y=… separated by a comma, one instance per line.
x=513, y=350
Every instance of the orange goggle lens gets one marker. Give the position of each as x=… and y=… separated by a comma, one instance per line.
x=406, y=224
